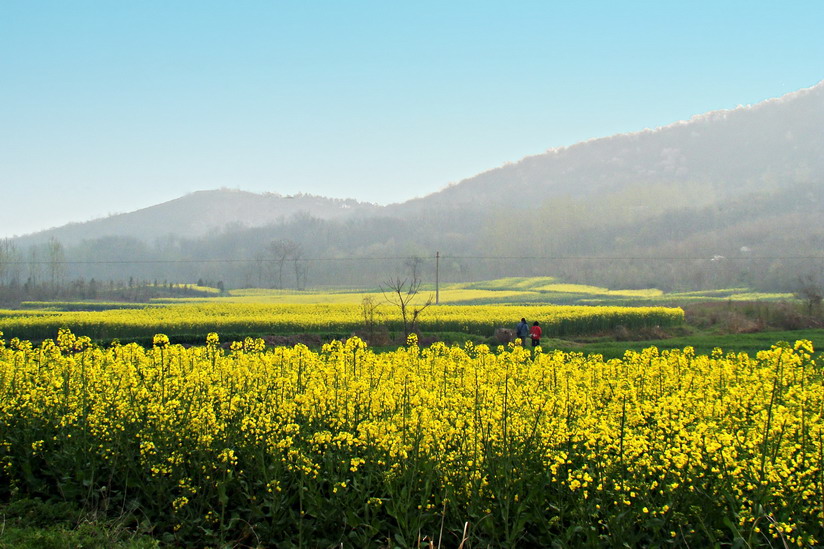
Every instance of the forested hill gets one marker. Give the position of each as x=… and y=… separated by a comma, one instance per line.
x=728, y=198
x=712, y=157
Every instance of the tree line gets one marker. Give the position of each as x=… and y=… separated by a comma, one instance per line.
x=767, y=243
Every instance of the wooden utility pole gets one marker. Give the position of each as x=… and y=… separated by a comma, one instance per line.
x=437, y=273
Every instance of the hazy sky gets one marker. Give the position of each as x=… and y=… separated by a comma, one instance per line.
x=110, y=106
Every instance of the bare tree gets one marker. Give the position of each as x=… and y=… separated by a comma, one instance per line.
x=414, y=264
x=57, y=259
x=9, y=262
x=281, y=250
x=369, y=310
x=301, y=267
x=256, y=270
x=811, y=291
x=401, y=293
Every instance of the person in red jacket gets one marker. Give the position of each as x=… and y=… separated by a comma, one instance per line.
x=535, y=333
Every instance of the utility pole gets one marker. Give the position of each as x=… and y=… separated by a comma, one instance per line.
x=437, y=273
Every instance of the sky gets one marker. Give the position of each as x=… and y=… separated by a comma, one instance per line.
x=108, y=106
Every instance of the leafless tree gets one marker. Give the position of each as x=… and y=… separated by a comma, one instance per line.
x=9, y=261
x=255, y=274
x=810, y=290
x=281, y=251
x=369, y=311
x=57, y=259
x=301, y=267
x=414, y=264
x=401, y=293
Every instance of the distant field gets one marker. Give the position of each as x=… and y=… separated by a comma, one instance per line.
x=513, y=290
x=240, y=319
x=477, y=309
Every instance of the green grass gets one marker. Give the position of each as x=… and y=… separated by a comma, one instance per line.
x=37, y=524
x=703, y=343
x=56, y=537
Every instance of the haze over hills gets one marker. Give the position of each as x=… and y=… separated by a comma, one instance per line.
x=205, y=212
x=712, y=157
x=642, y=209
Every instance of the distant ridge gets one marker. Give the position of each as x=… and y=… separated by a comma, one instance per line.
x=749, y=148
x=712, y=158
x=204, y=212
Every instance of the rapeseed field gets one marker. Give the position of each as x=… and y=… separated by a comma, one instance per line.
x=423, y=446
x=256, y=318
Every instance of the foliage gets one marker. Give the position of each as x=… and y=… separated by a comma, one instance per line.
x=289, y=447
x=37, y=524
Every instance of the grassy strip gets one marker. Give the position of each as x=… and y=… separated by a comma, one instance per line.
x=703, y=343
x=36, y=524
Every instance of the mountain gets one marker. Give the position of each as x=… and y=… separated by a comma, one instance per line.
x=710, y=158
x=729, y=198
x=206, y=212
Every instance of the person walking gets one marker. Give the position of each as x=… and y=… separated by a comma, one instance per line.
x=535, y=333
x=522, y=331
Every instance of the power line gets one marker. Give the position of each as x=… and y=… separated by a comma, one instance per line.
x=716, y=259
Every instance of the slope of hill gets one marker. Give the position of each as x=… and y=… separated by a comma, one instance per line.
x=711, y=157
x=204, y=212
x=652, y=208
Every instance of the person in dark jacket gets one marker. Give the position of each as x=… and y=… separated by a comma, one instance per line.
x=522, y=331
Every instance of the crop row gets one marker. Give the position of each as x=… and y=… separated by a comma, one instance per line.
x=256, y=319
